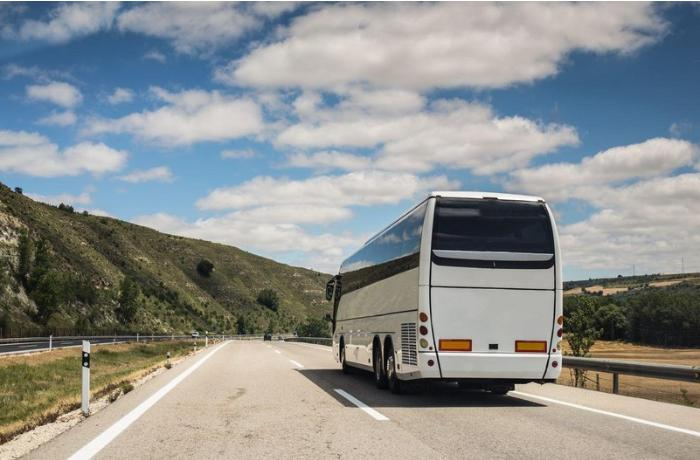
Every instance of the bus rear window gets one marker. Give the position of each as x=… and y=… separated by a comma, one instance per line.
x=492, y=225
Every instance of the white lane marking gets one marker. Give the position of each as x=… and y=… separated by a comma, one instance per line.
x=277, y=351
x=25, y=346
x=297, y=364
x=611, y=414
x=101, y=441
x=372, y=413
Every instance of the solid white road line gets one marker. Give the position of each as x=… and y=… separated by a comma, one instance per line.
x=372, y=413
x=611, y=414
x=299, y=365
x=101, y=441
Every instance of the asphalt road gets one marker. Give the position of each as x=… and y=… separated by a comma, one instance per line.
x=279, y=400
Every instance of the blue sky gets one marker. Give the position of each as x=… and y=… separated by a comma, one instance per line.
x=296, y=131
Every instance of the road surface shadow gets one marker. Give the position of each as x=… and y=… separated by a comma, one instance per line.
x=435, y=394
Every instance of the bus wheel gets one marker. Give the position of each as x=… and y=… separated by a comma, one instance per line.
x=377, y=362
x=392, y=378
x=343, y=362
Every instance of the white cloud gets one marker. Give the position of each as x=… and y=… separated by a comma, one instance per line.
x=65, y=22
x=157, y=174
x=186, y=118
x=66, y=118
x=34, y=155
x=651, y=158
x=59, y=93
x=453, y=133
x=190, y=27
x=324, y=250
x=120, y=95
x=65, y=198
x=237, y=154
x=426, y=45
x=363, y=188
x=155, y=56
x=328, y=161
x=651, y=224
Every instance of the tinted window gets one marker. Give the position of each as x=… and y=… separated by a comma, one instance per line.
x=393, y=251
x=492, y=225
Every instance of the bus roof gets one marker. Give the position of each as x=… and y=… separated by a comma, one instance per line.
x=482, y=195
x=465, y=194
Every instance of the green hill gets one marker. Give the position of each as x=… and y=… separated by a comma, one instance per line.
x=65, y=272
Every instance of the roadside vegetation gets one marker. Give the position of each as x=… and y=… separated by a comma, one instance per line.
x=64, y=272
x=35, y=389
x=666, y=316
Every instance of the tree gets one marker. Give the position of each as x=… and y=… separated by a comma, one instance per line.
x=205, y=267
x=128, y=299
x=314, y=327
x=581, y=332
x=25, y=249
x=19, y=190
x=269, y=299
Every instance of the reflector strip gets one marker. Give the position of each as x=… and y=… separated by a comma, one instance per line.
x=531, y=346
x=455, y=345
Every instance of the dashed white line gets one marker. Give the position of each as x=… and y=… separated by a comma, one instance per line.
x=611, y=414
x=100, y=442
x=371, y=412
x=297, y=364
x=277, y=351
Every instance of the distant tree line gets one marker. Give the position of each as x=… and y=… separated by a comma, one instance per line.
x=657, y=316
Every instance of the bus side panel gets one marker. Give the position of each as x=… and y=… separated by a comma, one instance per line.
x=377, y=310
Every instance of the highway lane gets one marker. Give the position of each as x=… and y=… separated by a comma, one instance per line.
x=255, y=399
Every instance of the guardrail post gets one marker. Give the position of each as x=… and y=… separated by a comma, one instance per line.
x=85, y=406
x=616, y=383
x=51, y=342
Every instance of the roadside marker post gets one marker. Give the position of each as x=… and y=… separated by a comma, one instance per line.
x=206, y=339
x=137, y=337
x=51, y=342
x=85, y=406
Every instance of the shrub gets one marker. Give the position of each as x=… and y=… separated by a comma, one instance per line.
x=205, y=267
x=314, y=327
x=269, y=298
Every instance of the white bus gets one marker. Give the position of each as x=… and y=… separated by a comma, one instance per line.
x=465, y=286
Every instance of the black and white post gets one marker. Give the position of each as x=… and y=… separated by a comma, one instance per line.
x=86, y=378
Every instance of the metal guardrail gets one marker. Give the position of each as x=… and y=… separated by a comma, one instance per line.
x=316, y=340
x=639, y=369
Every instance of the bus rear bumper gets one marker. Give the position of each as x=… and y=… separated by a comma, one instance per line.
x=515, y=366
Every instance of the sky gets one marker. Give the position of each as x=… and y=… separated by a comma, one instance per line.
x=297, y=131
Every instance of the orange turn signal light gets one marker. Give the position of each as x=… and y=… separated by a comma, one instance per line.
x=423, y=316
x=531, y=346
x=455, y=345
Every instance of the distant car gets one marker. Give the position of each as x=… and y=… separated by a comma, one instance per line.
x=268, y=336
x=195, y=334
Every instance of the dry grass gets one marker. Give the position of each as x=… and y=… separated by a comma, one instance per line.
x=36, y=389
x=655, y=389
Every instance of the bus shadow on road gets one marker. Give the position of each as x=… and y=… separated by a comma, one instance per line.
x=436, y=394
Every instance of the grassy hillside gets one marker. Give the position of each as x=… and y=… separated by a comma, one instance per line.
x=65, y=272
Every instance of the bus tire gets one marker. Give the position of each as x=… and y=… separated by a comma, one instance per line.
x=392, y=378
x=501, y=390
x=378, y=364
x=343, y=361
